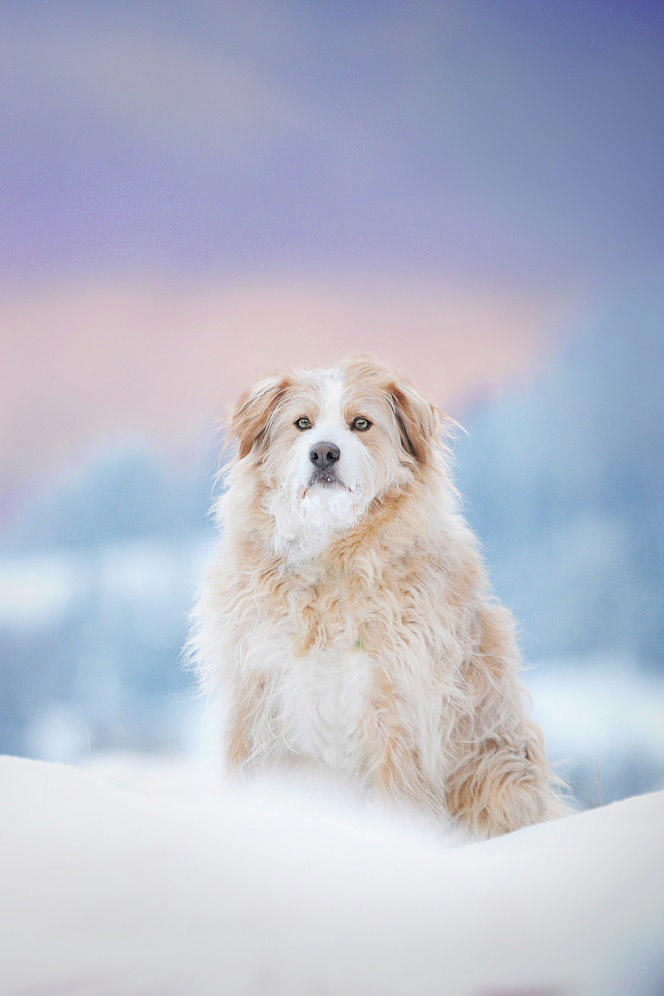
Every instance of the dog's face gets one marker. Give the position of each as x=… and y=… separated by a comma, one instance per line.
x=328, y=443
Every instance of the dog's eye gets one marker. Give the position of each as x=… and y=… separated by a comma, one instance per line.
x=303, y=423
x=360, y=423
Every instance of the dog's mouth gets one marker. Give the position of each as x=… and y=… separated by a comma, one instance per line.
x=327, y=478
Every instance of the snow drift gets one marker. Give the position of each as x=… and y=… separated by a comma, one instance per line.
x=180, y=885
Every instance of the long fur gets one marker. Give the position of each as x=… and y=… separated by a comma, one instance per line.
x=354, y=627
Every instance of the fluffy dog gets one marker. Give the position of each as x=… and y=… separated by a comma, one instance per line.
x=349, y=621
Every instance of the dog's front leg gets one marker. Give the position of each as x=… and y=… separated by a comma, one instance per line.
x=249, y=716
x=393, y=758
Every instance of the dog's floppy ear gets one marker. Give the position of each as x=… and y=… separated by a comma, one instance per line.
x=250, y=420
x=418, y=420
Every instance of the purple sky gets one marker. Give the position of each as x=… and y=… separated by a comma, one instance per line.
x=518, y=142
x=195, y=194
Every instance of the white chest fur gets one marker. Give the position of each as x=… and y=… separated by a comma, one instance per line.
x=318, y=704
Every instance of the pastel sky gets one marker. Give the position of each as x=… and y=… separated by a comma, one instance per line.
x=194, y=193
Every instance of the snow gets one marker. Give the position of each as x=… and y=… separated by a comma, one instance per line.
x=38, y=589
x=161, y=878
x=627, y=706
x=42, y=588
x=603, y=721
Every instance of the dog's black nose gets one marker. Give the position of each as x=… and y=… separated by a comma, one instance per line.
x=324, y=454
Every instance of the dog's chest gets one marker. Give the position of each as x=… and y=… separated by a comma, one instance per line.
x=321, y=678
x=322, y=699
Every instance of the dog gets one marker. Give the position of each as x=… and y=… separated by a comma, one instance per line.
x=348, y=621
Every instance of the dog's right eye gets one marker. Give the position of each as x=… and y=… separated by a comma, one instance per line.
x=303, y=423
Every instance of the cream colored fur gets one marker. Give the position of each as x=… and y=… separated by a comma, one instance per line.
x=353, y=626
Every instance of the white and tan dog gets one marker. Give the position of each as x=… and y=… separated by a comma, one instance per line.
x=349, y=621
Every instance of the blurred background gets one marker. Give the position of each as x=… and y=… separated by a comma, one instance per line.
x=195, y=195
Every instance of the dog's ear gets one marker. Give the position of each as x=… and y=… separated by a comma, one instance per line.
x=249, y=423
x=419, y=421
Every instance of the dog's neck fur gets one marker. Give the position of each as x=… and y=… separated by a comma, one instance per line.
x=393, y=525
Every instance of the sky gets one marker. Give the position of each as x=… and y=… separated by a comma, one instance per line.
x=196, y=194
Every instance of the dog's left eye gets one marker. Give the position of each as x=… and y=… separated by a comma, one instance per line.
x=360, y=423
x=303, y=423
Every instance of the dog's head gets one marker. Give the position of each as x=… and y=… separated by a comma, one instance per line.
x=328, y=443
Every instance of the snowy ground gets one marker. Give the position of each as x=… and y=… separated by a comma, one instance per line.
x=161, y=880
